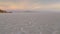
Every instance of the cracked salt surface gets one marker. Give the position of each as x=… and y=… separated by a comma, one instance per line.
x=30, y=23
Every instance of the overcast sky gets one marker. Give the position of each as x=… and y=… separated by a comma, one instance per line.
x=30, y=4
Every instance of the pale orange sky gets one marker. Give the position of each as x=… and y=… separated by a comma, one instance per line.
x=29, y=4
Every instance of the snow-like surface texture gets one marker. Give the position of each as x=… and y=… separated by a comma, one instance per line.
x=30, y=23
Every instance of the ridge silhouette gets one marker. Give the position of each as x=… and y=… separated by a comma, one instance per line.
x=3, y=11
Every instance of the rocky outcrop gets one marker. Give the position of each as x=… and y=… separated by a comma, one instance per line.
x=3, y=11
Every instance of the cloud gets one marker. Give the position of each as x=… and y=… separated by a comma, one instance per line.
x=43, y=7
x=32, y=1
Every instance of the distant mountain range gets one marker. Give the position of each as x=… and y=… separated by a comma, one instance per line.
x=29, y=11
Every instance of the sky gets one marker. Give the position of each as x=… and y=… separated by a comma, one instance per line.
x=30, y=4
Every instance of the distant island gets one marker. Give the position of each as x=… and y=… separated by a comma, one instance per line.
x=3, y=11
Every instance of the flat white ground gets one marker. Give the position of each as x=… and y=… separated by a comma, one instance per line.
x=30, y=23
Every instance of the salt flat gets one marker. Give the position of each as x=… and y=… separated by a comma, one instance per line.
x=30, y=23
